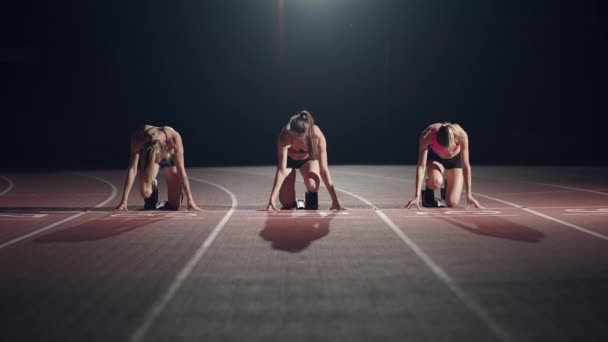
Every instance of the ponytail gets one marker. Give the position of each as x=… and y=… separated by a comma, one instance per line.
x=150, y=155
x=446, y=136
x=304, y=123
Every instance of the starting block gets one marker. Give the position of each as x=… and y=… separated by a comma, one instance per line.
x=429, y=200
x=300, y=204
x=310, y=203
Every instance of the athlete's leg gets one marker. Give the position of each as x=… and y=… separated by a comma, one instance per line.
x=287, y=193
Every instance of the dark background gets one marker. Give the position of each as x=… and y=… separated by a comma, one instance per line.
x=527, y=79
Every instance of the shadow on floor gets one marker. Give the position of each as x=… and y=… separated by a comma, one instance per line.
x=295, y=232
x=495, y=226
x=96, y=230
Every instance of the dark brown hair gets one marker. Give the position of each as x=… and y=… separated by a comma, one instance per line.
x=303, y=123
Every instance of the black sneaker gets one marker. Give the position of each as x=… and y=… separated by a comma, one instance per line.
x=312, y=201
x=151, y=202
x=428, y=198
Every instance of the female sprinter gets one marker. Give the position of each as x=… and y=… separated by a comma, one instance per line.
x=154, y=148
x=301, y=146
x=444, y=148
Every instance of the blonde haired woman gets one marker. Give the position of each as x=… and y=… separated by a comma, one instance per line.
x=302, y=145
x=154, y=148
x=444, y=148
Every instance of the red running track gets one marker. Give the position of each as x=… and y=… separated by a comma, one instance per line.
x=530, y=266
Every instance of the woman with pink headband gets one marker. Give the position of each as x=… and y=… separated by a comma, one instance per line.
x=444, y=149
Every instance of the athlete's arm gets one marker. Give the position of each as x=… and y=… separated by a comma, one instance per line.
x=131, y=172
x=178, y=148
x=423, y=152
x=282, y=171
x=466, y=167
x=324, y=169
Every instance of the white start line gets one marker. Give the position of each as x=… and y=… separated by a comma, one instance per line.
x=22, y=216
x=154, y=215
x=579, y=211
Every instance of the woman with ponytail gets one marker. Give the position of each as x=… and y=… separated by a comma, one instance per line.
x=444, y=149
x=302, y=145
x=154, y=148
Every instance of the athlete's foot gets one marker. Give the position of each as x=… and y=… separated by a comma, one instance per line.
x=150, y=203
x=312, y=201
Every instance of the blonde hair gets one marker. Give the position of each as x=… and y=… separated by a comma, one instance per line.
x=446, y=136
x=151, y=154
x=303, y=123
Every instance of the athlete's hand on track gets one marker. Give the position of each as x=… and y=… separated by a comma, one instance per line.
x=471, y=200
x=122, y=206
x=336, y=206
x=413, y=201
x=194, y=207
x=271, y=207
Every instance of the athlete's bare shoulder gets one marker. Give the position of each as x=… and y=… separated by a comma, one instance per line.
x=426, y=134
x=169, y=128
x=140, y=136
x=137, y=141
x=460, y=132
x=317, y=131
x=284, y=137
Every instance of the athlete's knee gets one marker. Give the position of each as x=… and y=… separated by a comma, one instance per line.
x=171, y=206
x=146, y=190
x=452, y=202
x=312, y=184
x=287, y=200
x=434, y=182
x=285, y=204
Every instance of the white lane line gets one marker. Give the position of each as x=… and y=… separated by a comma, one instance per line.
x=532, y=192
x=10, y=185
x=67, y=219
x=320, y=218
x=152, y=218
x=547, y=184
x=22, y=216
x=567, y=224
x=570, y=207
x=455, y=216
x=468, y=301
x=21, y=219
x=140, y=333
x=572, y=188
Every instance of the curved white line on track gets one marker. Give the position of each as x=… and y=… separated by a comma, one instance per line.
x=140, y=333
x=67, y=219
x=518, y=206
x=10, y=185
x=112, y=195
x=467, y=300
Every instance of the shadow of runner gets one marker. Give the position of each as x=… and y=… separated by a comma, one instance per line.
x=95, y=230
x=34, y=210
x=294, y=233
x=495, y=226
